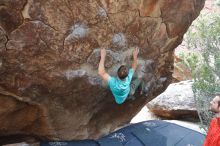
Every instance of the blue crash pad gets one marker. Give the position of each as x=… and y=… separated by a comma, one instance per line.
x=149, y=133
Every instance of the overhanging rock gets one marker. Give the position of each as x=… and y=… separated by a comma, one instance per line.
x=49, y=51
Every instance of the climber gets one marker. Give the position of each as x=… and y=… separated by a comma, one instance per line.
x=122, y=86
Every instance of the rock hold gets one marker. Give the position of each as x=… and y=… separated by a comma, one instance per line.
x=111, y=58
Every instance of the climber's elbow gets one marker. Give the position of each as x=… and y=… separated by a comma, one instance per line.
x=101, y=72
x=105, y=76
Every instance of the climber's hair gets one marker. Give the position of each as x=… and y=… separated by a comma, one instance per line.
x=122, y=72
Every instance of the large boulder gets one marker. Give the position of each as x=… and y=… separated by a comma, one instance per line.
x=176, y=102
x=49, y=52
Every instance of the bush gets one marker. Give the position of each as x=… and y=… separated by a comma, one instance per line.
x=203, y=38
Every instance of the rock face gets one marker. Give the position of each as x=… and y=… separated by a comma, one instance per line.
x=177, y=102
x=49, y=53
x=181, y=71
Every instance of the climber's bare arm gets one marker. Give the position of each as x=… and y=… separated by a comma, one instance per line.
x=101, y=69
x=135, y=59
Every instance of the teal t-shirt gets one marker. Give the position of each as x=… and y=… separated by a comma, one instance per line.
x=120, y=88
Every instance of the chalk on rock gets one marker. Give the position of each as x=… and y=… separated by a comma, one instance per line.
x=78, y=31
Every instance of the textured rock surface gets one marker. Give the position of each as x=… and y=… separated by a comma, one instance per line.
x=176, y=102
x=49, y=52
x=181, y=71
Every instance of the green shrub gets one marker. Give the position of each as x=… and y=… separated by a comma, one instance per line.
x=203, y=38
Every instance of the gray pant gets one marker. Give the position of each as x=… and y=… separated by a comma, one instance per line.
x=135, y=83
